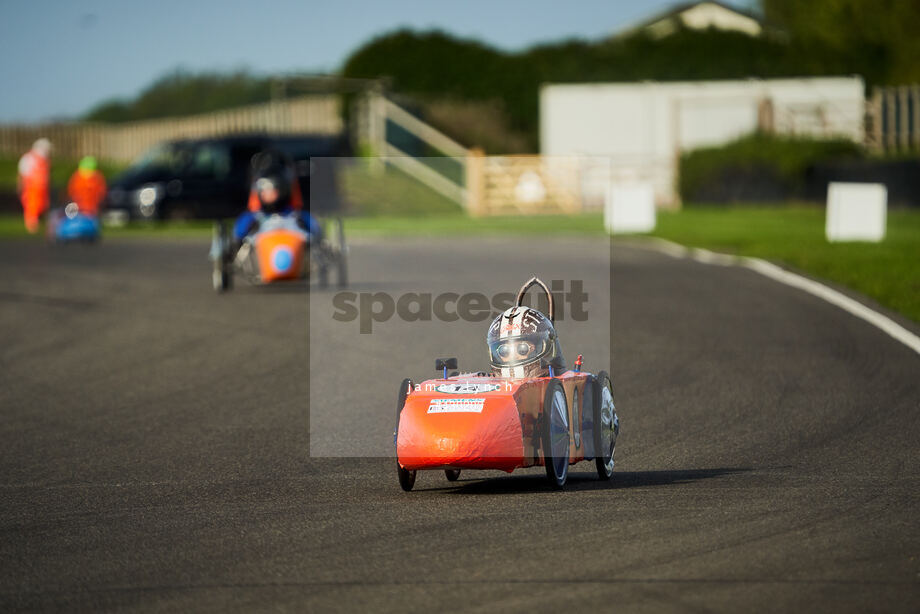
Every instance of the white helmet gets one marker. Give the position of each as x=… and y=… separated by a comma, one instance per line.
x=521, y=340
x=42, y=147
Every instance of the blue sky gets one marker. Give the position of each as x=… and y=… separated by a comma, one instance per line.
x=58, y=59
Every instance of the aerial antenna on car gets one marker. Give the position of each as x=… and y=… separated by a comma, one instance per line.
x=549, y=296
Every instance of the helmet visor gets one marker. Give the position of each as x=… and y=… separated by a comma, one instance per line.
x=268, y=191
x=516, y=351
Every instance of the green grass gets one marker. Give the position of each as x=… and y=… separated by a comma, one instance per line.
x=888, y=271
x=460, y=224
x=11, y=227
x=380, y=226
x=392, y=203
x=390, y=193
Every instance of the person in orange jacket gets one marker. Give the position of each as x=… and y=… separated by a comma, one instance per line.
x=34, y=183
x=270, y=161
x=87, y=187
x=275, y=189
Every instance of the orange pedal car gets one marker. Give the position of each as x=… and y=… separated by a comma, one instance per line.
x=279, y=250
x=483, y=421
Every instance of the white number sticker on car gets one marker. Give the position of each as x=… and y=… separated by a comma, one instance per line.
x=467, y=388
x=446, y=406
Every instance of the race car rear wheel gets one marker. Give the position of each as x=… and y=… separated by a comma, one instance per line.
x=556, y=434
x=406, y=477
x=606, y=426
x=452, y=474
x=341, y=251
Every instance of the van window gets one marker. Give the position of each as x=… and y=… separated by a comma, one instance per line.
x=164, y=157
x=242, y=156
x=210, y=161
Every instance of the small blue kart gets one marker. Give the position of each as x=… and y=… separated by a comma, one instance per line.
x=70, y=225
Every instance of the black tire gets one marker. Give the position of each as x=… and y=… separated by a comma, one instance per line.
x=556, y=434
x=323, y=275
x=221, y=278
x=218, y=279
x=406, y=477
x=452, y=474
x=606, y=426
x=342, y=261
x=222, y=275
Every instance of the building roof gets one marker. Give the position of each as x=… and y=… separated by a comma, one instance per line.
x=666, y=22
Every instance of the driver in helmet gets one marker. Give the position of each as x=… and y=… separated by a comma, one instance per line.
x=520, y=341
x=275, y=189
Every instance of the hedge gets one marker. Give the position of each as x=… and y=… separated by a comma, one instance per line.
x=757, y=167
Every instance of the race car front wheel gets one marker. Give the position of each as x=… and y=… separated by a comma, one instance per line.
x=406, y=477
x=452, y=474
x=221, y=275
x=556, y=434
x=606, y=426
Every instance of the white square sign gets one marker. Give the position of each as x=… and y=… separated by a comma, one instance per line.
x=856, y=211
x=629, y=208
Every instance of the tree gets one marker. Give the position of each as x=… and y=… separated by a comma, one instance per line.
x=874, y=38
x=181, y=93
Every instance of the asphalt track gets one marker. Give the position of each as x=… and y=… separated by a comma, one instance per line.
x=155, y=449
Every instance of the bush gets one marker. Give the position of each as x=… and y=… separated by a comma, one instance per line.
x=757, y=168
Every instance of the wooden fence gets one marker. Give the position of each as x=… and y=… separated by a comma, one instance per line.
x=893, y=119
x=522, y=184
x=317, y=114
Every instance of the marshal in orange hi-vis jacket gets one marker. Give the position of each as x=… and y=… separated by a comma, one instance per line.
x=34, y=182
x=87, y=187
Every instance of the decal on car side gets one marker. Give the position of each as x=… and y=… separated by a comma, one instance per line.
x=446, y=406
x=467, y=388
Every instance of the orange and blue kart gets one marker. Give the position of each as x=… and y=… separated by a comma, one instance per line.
x=478, y=421
x=278, y=250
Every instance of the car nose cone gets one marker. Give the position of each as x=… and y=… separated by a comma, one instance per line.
x=282, y=259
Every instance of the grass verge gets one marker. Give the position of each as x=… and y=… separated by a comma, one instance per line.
x=380, y=226
x=460, y=224
x=11, y=227
x=888, y=271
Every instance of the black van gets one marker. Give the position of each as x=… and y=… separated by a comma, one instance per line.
x=207, y=178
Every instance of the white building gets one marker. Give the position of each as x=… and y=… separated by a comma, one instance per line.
x=636, y=131
x=698, y=16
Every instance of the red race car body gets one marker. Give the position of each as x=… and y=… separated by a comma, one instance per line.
x=480, y=422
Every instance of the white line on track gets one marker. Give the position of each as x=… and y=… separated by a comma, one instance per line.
x=767, y=269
